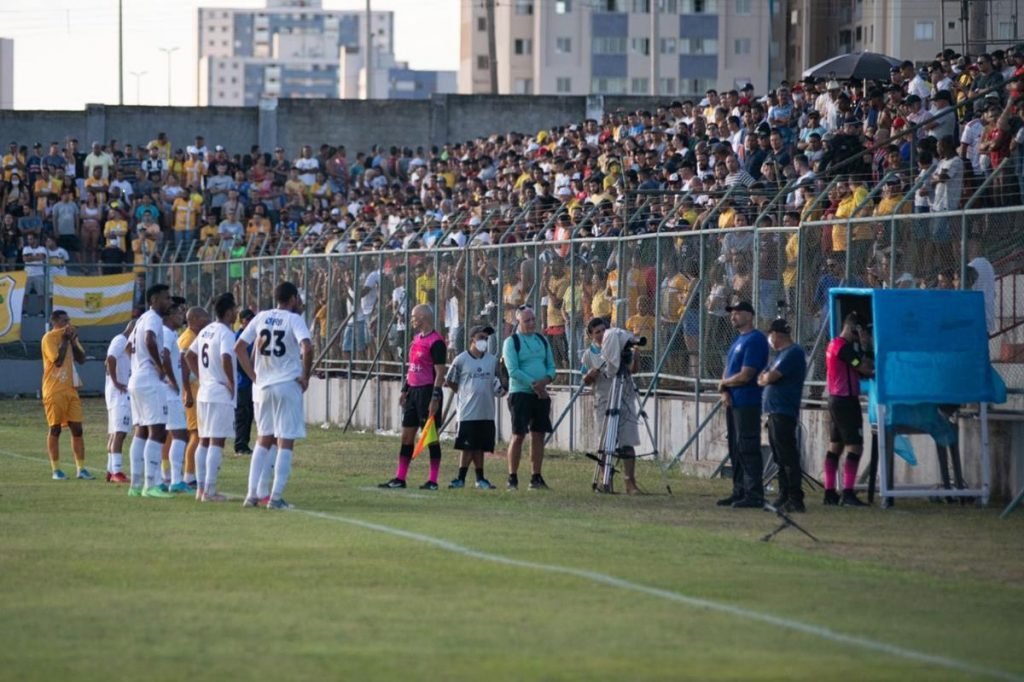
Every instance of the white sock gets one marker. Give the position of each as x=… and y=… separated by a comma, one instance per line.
x=259, y=457
x=213, y=457
x=281, y=471
x=115, y=463
x=138, y=459
x=267, y=475
x=152, y=454
x=177, y=457
x=201, y=467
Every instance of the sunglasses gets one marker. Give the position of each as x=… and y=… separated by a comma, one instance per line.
x=525, y=306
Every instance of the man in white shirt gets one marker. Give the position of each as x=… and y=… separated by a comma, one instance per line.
x=119, y=410
x=177, y=423
x=308, y=165
x=283, y=355
x=34, y=256
x=356, y=336
x=212, y=358
x=57, y=258
x=970, y=138
x=148, y=395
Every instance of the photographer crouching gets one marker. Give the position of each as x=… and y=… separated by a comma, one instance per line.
x=611, y=349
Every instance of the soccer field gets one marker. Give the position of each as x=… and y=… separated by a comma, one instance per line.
x=362, y=584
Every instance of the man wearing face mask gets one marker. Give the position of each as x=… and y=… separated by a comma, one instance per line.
x=473, y=375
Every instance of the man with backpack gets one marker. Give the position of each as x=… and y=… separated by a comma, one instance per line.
x=531, y=367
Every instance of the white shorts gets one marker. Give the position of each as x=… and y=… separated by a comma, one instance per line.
x=149, y=405
x=176, y=420
x=216, y=420
x=279, y=411
x=119, y=416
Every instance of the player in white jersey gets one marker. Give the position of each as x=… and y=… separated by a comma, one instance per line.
x=177, y=426
x=283, y=361
x=148, y=395
x=212, y=358
x=119, y=410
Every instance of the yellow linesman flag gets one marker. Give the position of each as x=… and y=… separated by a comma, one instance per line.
x=95, y=300
x=428, y=437
x=12, y=297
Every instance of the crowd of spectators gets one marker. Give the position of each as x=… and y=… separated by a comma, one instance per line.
x=815, y=150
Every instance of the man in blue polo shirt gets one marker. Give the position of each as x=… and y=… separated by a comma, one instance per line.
x=783, y=383
x=748, y=356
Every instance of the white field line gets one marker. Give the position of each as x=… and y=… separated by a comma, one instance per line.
x=666, y=595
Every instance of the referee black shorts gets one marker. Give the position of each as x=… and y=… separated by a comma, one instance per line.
x=417, y=407
x=478, y=434
x=847, y=421
x=529, y=413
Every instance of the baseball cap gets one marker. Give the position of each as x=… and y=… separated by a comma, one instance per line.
x=481, y=329
x=742, y=307
x=779, y=325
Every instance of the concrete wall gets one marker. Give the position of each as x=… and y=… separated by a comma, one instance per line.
x=675, y=419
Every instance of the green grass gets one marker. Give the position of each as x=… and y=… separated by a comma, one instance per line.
x=97, y=586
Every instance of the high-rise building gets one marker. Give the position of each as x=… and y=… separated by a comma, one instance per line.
x=580, y=47
x=296, y=49
x=6, y=73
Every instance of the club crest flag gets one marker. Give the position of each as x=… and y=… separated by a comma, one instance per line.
x=12, y=296
x=95, y=300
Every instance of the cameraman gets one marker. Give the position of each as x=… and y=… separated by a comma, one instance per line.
x=598, y=373
x=783, y=384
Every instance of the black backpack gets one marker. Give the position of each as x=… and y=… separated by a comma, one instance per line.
x=502, y=369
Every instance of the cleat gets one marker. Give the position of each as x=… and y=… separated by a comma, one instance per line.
x=251, y=502
x=793, y=507
x=108, y=476
x=728, y=501
x=484, y=484
x=59, y=475
x=243, y=452
x=179, y=488
x=264, y=501
x=134, y=492
x=118, y=478
x=831, y=498
x=156, y=492
x=84, y=475
x=456, y=484
x=192, y=485
x=512, y=485
x=214, y=497
x=165, y=487
x=429, y=485
x=850, y=499
x=280, y=505
x=393, y=484
x=537, y=483
x=748, y=503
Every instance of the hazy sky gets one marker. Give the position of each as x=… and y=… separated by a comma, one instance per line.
x=65, y=51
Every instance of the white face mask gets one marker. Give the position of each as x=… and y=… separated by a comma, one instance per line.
x=480, y=345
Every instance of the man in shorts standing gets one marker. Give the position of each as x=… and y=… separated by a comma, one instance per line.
x=284, y=361
x=212, y=357
x=149, y=395
x=60, y=397
x=531, y=367
x=119, y=409
x=421, y=395
x=196, y=320
x=474, y=377
x=177, y=422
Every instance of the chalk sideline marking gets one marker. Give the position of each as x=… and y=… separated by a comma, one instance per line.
x=667, y=595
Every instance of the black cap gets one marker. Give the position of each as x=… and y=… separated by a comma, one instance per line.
x=779, y=325
x=481, y=329
x=742, y=307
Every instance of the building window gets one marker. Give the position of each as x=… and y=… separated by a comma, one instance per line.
x=924, y=30
x=666, y=86
x=481, y=23
x=694, y=86
x=641, y=6
x=668, y=6
x=699, y=6
x=640, y=46
x=563, y=45
x=742, y=46
x=1005, y=30
x=610, y=6
x=523, y=46
x=482, y=62
x=563, y=6
x=698, y=46
x=608, y=86
x=608, y=45
x=563, y=85
x=667, y=45
x=523, y=86
x=639, y=86
x=743, y=8
x=524, y=7
x=859, y=36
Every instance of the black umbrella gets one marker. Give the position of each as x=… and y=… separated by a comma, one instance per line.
x=862, y=65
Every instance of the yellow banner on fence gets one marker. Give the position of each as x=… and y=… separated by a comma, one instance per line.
x=95, y=300
x=12, y=296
